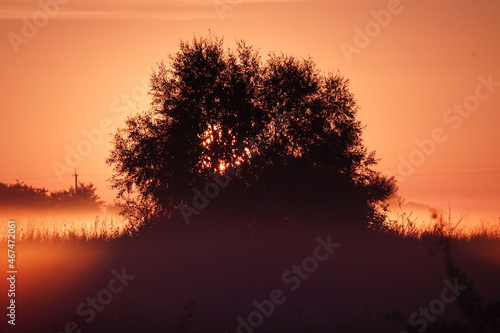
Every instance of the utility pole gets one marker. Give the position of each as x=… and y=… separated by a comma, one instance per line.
x=76, y=182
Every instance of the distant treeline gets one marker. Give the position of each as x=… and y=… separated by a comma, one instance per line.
x=20, y=195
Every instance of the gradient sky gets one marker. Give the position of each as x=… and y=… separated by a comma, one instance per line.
x=77, y=70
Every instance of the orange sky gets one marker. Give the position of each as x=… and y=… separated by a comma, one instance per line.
x=82, y=69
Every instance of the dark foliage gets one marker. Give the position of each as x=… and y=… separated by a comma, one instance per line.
x=22, y=196
x=289, y=130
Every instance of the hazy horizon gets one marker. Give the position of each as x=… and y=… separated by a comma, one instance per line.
x=84, y=69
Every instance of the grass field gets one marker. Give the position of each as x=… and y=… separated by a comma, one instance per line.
x=200, y=278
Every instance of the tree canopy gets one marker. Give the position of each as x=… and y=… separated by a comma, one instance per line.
x=20, y=195
x=282, y=131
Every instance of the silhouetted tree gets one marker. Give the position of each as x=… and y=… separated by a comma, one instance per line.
x=22, y=196
x=84, y=198
x=289, y=130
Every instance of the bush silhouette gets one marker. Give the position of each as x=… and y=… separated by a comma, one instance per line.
x=26, y=197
